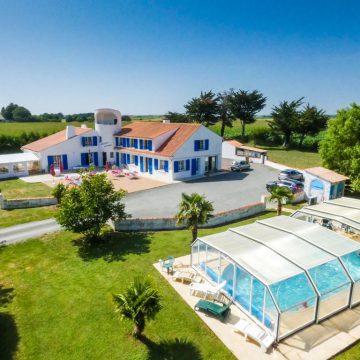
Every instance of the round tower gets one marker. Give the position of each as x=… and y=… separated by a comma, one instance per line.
x=107, y=123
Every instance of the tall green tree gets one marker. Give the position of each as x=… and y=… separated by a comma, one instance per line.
x=21, y=114
x=87, y=208
x=285, y=119
x=340, y=148
x=311, y=121
x=7, y=112
x=226, y=116
x=244, y=106
x=194, y=210
x=139, y=303
x=280, y=194
x=203, y=109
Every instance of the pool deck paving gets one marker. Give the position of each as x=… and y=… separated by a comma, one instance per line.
x=316, y=342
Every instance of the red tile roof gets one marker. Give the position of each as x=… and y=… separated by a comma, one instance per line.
x=152, y=130
x=326, y=174
x=147, y=130
x=244, y=147
x=54, y=139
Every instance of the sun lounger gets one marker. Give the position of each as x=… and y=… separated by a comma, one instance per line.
x=219, y=309
x=206, y=288
x=186, y=276
x=256, y=333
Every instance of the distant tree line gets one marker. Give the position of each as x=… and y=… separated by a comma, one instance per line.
x=14, y=112
x=289, y=118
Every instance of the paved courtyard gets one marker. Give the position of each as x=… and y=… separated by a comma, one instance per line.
x=227, y=191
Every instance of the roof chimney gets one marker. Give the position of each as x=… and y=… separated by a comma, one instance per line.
x=70, y=132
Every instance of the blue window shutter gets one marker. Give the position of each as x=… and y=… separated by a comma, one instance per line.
x=83, y=159
x=193, y=166
x=156, y=164
x=123, y=158
x=187, y=164
x=150, y=145
x=50, y=161
x=136, y=158
x=176, y=166
x=166, y=166
x=83, y=141
x=141, y=163
x=150, y=166
x=94, y=140
x=117, y=159
x=141, y=144
x=116, y=141
x=196, y=145
x=65, y=162
x=135, y=143
x=127, y=142
x=207, y=144
x=96, y=158
x=128, y=158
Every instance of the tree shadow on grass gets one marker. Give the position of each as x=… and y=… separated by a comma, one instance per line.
x=9, y=336
x=177, y=349
x=114, y=246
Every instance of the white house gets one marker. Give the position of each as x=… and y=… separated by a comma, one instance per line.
x=324, y=184
x=234, y=150
x=164, y=151
x=169, y=151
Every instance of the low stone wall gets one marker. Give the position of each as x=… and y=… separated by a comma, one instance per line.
x=169, y=223
x=12, y=204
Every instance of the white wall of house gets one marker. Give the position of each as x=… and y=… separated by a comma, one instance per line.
x=71, y=147
x=187, y=151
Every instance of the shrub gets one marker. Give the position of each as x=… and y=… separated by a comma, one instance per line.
x=59, y=191
x=260, y=135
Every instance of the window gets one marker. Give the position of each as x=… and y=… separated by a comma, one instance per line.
x=4, y=169
x=201, y=144
x=19, y=168
x=56, y=161
x=132, y=143
x=197, y=167
x=87, y=140
x=111, y=155
x=161, y=164
x=181, y=165
x=132, y=161
x=148, y=144
x=100, y=139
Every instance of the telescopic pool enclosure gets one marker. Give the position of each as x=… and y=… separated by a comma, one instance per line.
x=285, y=273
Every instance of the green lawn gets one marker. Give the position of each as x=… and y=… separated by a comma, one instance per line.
x=16, y=188
x=16, y=128
x=21, y=216
x=59, y=305
x=294, y=158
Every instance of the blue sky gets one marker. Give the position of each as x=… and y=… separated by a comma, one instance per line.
x=149, y=57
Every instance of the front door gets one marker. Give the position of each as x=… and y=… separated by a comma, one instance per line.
x=104, y=158
x=193, y=167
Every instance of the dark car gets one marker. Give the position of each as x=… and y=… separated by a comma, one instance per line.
x=294, y=183
x=291, y=174
x=273, y=184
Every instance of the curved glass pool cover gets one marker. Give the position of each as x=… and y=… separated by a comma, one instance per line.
x=283, y=272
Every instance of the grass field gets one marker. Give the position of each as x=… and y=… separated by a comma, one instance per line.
x=21, y=216
x=16, y=188
x=60, y=307
x=293, y=158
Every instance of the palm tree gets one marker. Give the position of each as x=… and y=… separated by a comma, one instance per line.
x=139, y=303
x=194, y=210
x=279, y=194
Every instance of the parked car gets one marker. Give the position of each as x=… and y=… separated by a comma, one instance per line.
x=291, y=174
x=239, y=165
x=273, y=184
x=296, y=184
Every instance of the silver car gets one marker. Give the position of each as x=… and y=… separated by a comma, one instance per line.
x=239, y=165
